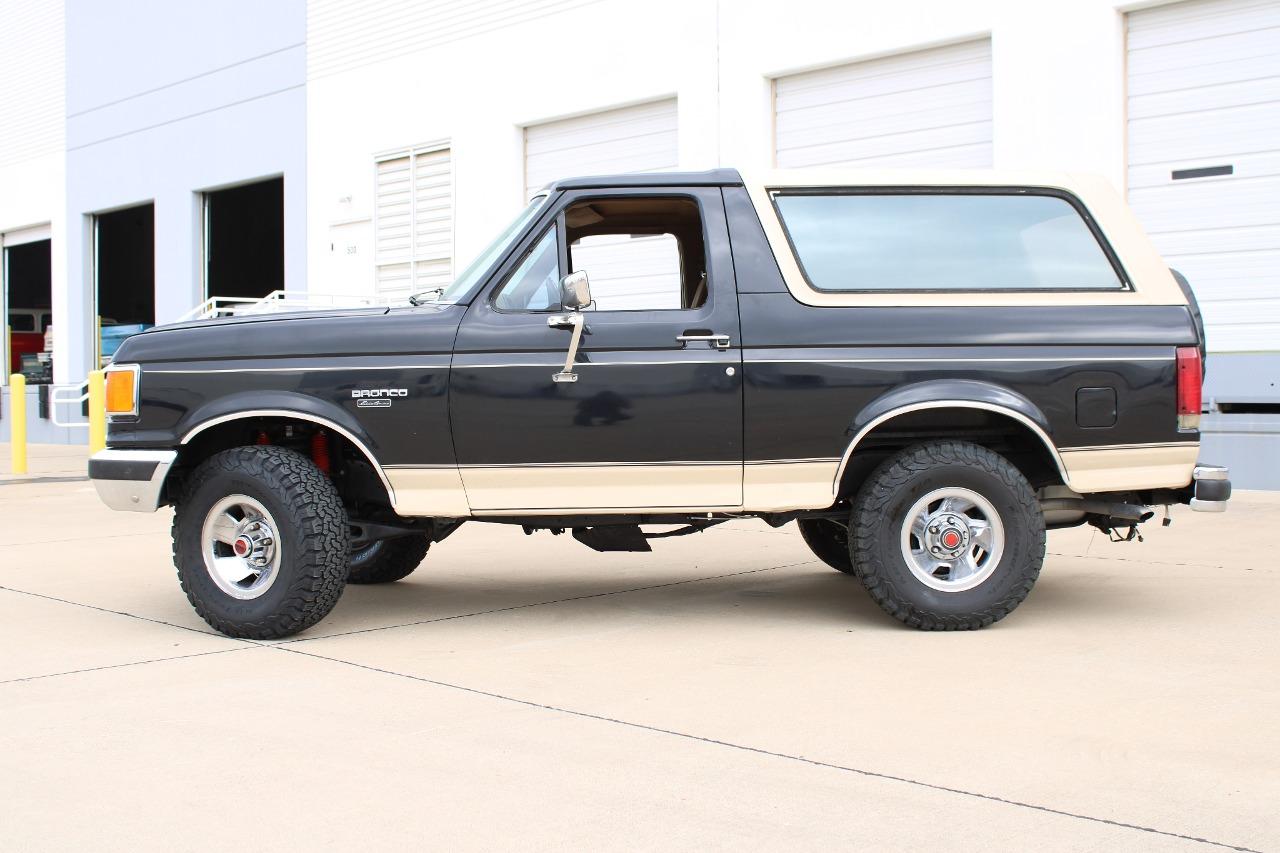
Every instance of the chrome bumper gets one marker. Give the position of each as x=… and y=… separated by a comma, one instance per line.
x=1211, y=488
x=131, y=480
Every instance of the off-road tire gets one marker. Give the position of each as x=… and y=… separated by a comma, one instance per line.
x=387, y=560
x=829, y=542
x=311, y=528
x=880, y=510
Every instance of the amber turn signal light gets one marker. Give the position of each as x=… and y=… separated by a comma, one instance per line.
x=122, y=392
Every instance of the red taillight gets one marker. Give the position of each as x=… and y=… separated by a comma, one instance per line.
x=1189, y=376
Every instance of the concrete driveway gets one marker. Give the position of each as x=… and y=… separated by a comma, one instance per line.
x=725, y=691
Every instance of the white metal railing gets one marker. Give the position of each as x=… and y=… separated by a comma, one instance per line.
x=279, y=300
x=82, y=390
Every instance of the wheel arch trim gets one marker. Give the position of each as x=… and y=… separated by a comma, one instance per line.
x=924, y=405
x=302, y=416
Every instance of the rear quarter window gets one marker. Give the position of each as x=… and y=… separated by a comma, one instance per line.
x=936, y=241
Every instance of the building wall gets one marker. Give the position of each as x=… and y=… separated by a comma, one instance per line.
x=425, y=73
x=32, y=107
x=164, y=101
x=32, y=149
x=462, y=83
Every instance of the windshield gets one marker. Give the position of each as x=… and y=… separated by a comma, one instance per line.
x=464, y=282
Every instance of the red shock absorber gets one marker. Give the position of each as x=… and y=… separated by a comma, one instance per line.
x=262, y=437
x=320, y=451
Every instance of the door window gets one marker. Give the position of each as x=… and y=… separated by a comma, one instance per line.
x=535, y=284
x=630, y=272
x=640, y=254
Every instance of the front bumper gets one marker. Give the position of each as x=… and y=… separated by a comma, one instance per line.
x=131, y=480
x=1211, y=488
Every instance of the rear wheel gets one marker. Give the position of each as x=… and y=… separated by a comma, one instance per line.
x=387, y=560
x=829, y=542
x=260, y=541
x=947, y=536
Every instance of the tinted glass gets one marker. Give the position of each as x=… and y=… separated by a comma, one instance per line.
x=535, y=284
x=944, y=242
x=485, y=259
x=22, y=323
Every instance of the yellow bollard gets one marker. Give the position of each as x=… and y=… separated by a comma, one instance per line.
x=97, y=411
x=18, y=423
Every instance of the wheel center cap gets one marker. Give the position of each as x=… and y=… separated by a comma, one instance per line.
x=948, y=535
x=243, y=546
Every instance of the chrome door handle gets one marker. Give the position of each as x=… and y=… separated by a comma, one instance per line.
x=717, y=341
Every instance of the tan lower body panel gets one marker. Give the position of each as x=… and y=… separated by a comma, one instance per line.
x=607, y=488
x=763, y=486
x=1114, y=469
x=789, y=484
x=434, y=492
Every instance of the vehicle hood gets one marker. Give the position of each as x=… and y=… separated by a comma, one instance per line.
x=344, y=332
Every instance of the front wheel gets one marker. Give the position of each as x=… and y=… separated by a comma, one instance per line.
x=947, y=536
x=260, y=541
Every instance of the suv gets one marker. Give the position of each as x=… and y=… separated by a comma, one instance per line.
x=924, y=371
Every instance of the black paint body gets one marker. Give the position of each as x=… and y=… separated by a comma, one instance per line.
x=803, y=378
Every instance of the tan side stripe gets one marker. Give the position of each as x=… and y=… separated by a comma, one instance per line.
x=1108, y=469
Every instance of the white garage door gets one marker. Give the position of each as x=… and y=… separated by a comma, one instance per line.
x=925, y=108
x=1204, y=157
x=634, y=272
x=631, y=139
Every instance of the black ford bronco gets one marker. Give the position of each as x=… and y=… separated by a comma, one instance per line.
x=924, y=371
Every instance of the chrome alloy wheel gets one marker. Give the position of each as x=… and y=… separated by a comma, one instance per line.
x=240, y=547
x=952, y=539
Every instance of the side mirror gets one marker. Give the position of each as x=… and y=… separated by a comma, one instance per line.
x=575, y=292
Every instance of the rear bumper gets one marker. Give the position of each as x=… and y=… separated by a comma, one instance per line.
x=1211, y=488
x=131, y=480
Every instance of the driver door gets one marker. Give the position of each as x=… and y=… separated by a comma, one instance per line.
x=652, y=418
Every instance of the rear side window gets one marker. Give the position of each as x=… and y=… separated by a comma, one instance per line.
x=935, y=241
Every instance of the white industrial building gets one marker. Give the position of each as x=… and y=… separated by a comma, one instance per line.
x=388, y=140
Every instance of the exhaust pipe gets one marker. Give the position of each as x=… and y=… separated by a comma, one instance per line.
x=1121, y=512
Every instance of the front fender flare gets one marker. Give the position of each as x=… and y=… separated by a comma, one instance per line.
x=277, y=404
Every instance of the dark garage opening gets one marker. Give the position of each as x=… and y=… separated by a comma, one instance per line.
x=125, y=272
x=244, y=240
x=29, y=285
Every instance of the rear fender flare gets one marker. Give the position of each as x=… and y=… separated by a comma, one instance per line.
x=949, y=394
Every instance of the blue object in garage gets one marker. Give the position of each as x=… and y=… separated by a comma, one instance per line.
x=113, y=336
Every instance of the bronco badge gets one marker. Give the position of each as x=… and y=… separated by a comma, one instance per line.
x=361, y=393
